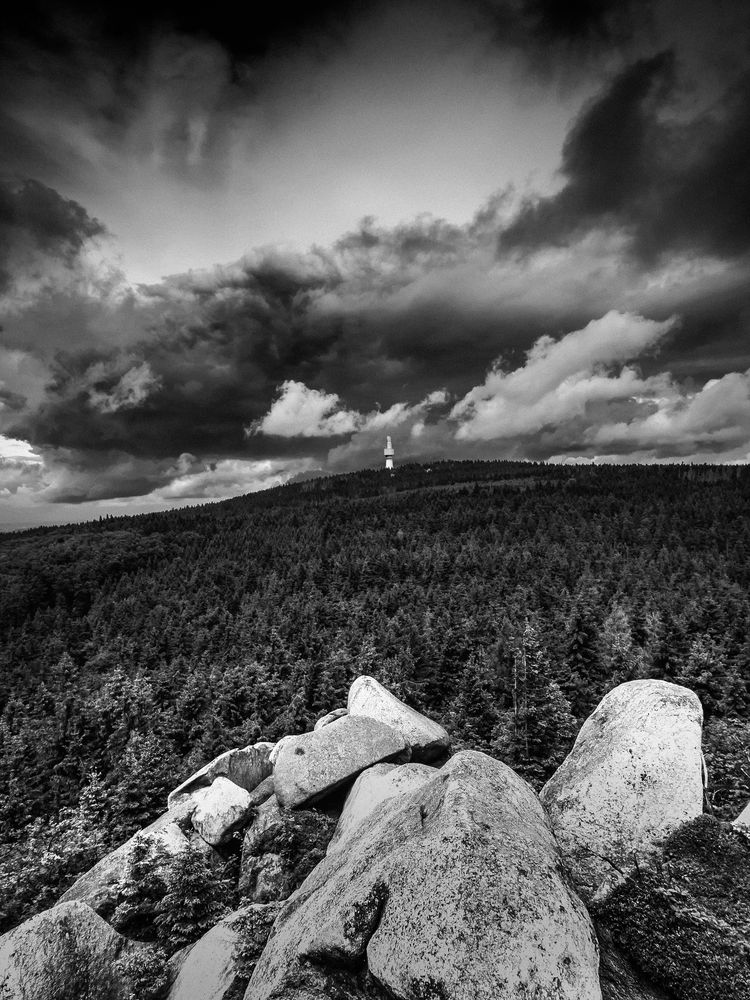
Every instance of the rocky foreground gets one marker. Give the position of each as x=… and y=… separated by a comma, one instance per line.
x=377, y=865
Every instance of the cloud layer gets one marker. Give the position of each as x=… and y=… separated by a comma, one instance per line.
x=601, y=310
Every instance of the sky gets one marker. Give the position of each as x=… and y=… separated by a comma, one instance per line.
x=232, y=254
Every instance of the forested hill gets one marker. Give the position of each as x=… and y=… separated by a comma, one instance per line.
x=502, y=598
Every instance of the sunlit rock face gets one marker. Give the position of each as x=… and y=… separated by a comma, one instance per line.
x=635, y=773
x=223, y=809
x=453, y=890
x=372, y=787
x=68, y=951
x=313, y=765
x=427, y=739
x=209, y=972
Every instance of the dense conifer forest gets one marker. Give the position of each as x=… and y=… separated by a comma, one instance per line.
x=503, y=599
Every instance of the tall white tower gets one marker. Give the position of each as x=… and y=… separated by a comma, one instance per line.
x=388, y=452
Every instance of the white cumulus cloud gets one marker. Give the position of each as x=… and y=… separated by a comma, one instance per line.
x=561, y=378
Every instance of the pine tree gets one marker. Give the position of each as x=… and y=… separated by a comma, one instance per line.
x=142, y=889
x=534, y=736
x=194, y=901
x=473, y=714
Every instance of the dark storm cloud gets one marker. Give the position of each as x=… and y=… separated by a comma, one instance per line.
x=221, y=342
x=52, y=25
x=575, y=25
x=629, y=165
x=37, y=226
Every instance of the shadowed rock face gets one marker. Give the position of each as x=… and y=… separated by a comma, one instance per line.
x=246, y=768
x=633, y=776
x=280, y=849
x=427, y=739
x=452, y=891
x=315, y=764
x=66, y=952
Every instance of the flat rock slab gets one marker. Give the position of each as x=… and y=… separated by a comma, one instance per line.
x=66, y=952
x=373, y=786
x=246, y=768
x=427, y=739
x=453, y=891
x=634, y=775
x=314, y=764
x=98, y=887
x=224, y=809
x=744, y=817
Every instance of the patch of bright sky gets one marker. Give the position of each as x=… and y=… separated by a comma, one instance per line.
x=414, y=114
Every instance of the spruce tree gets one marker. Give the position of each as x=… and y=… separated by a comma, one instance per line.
x=534, y=736
x=195, y=900
x=142, y=890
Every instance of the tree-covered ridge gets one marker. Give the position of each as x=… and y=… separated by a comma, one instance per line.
x=502, y=598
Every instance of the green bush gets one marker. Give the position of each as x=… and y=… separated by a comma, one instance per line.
x=253, y=926
x=145, y=972
x=141, y=891
x=684, y=921
x=196, y=899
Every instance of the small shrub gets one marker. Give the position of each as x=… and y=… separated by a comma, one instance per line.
x=141, y=890
x=254, y=927
x=685, y=920
x=194, y=901
x=145, y=973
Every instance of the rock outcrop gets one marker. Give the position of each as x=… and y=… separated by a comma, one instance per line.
x=66, y=952
x=368, y=698
x=280, y=850
x=633, y=776
x=315, y=764
x=224, y=808
x=372, y=787
x=211, y=970
x=245, y=768
x=453, y=891
x=98, y=887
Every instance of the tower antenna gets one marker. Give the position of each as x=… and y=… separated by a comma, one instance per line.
x=388, y=452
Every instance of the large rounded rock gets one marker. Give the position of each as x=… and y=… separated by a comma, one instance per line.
x=223, y=809
x=454, y=890
x=67, y=952
x=246, y=768
x=372, y=787
x=211, y=970
x=314, y=764
x=280, y=850
x=427, y=739
x=635, y=773
x=99, y=887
